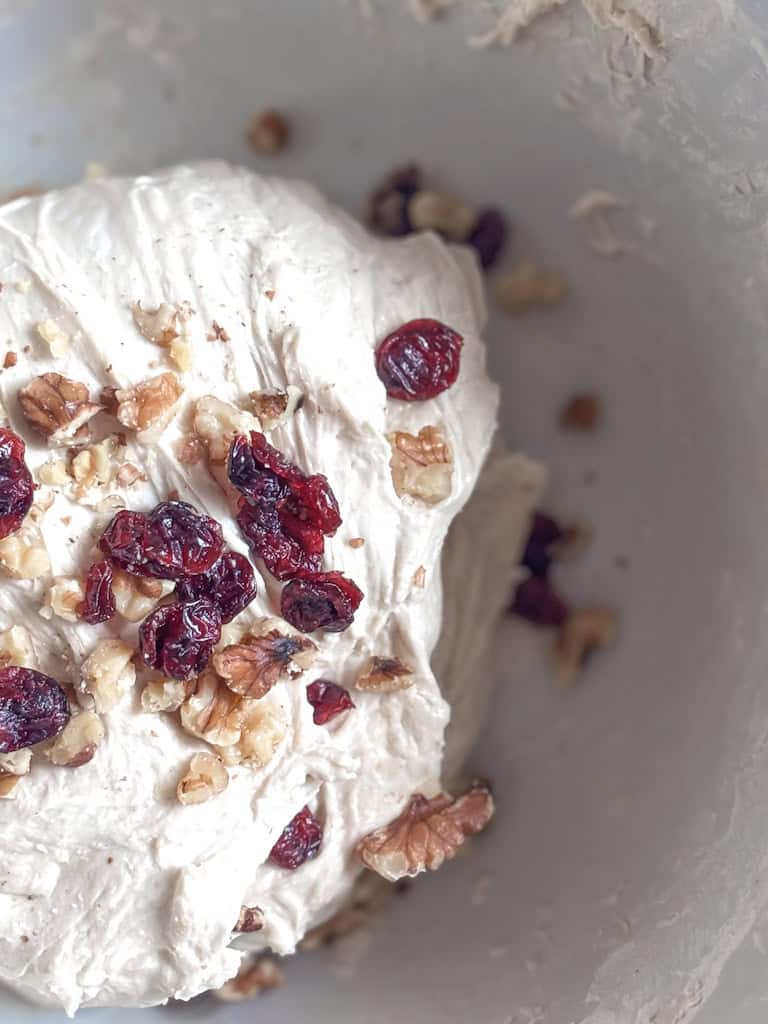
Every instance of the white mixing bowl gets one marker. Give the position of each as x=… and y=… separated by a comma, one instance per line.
x=625, y=879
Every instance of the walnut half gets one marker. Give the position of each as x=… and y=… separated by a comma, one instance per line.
x=56, y=407
x=422, y=466
x=149, y=406
x=252, y=667
x=427, y=833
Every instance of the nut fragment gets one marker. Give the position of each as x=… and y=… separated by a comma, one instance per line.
x=165, y=694
x=16, y=648
x=213, y=712
x=189, y=450
x=262, y=731
x=158, y=325
x=269, y=132
x=180, y=353
x=251, y=920
x=128, y=475
x=581, y=412
x=205, y=777
x=137, y=596
x=252, y=667
x=18, y=762
x=419, y=577
x=77, y=744
x=527, y=286
x=62, y=598
x=434, y=211
x=149, y=406
x=275, y=407
x=252, y=979
x=370, y=896
x=107, y=673
x=23, y=554
x=54, y=474
x=55, y=338
x=217, y=423
x=385, y=675
x=422, y=466
x=56, y=406
x=584, y=631
x=426, y=834
x=8, y=784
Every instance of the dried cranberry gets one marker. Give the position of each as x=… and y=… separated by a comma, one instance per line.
x=299, y=841
x=328, y=700
x=180, y=541
x=545, y=532
x=284, y=514
x=123, y=542
x=33, y=708
x=538, y=602
x=488, y=236
x=178, y=639
x=99, y=603
x=16, y=486
x=320, y=600
x=230, y=584
x=419, y=360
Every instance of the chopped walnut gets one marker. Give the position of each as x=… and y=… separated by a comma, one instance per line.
x=158, y=325
x=107, y=673
x=217, y=423
x=18, y=762
x=356, y=542
x=165, y=694
x=213, y=712
x=253, y=978
x=426, y=834
x=262, y=731
x=385, y=675
x=419, y=577
x=434, y=211
x=251, y=920
x=56, y=407
x=527, y=286
x=150, y=405
x=422, y=466
x=23, y=554
x=54, y=474
x=180, y=353
x=274, y=408
x=581, y=412
x=8, y=784
x=137, y=596
x=370, y=896
x=584, y=631
x=253, y=666
x=16, y=648
x=269, y=132
x=128, y=475
x=189, y=450
x=94, y=466
x=77, y=744
x=56, y=339
x=205, y=777
x=10, y=360
x=62, y=598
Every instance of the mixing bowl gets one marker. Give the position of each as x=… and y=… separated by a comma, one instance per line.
x=625, y=878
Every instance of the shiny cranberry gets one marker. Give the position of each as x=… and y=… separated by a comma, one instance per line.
x=299, y=842
x=283, y=555
x=123, y=542
x=33, y=708
x=419, y=360
x=16, y=486
x=178, y=639
x=545, y=533
x=99, y=602
x=230, y=584
x=328, y=700
x=488, y=237
x=320, y=600
x=180, y=541
x=538, y=602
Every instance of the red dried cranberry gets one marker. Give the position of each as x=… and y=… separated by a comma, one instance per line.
x=178, y=639
x=180, y=541
x=283, y=555
x=488, y=236
x=320, y=600
x=545, y=532
x=538, y=602
x=419, y=360
x=33, y=708
x=16, y=486
x=123, y=542
x=230, y=584
x=328, y=700
x=299, y=841
x=99, y=603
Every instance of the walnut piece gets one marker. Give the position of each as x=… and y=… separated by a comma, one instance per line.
x=434, y=211
x=94, y=466
x=213, y=712
x=269, y=132
x=56, y=407
x=62, y=598
x=422, y=466
x=253, y=978
x=217, y=423
x=584, y=631
x=180, y=353
x=273, y=408
x=16, y=648
x=137, y=596
x=385, y=675
x=581, y=412
x=18, y=762
x=252, y=667
x=8, y=784
x=251, y=920
x=107, y=673
x=426, y=834
x=149, y=406
x=262, y=731
x=55, y=338
x=77, y=743
x=54, y=474
x=23, y=554
x=371, y=895
x=189, y=450
x=159, y=325
x=165, y=694
x=527, y=285
x=419, y=577
x=205, y=777
x=128, y=475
